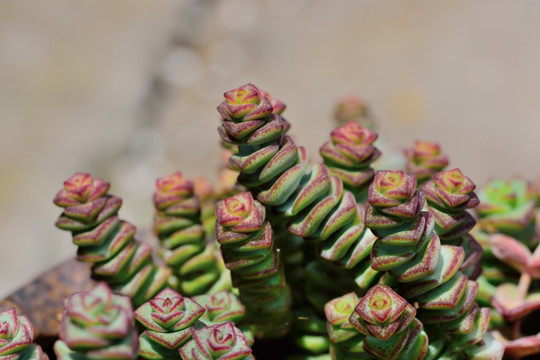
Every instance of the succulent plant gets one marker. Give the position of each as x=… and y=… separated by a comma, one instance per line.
x=424, y=160
x=389, y=324
x=220, y=307
x=353, y=108
x=97, y=324
x=423, y=271
x=508, y=207
x=169, y=320
x=177, y=223
x=449, y=194
x=16, y=336
x=349, y=156
x=250, y=254
x=106, y=241
x=329, y=260
x=222, y=341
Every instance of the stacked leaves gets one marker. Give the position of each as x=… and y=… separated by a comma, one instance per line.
x=97, y=324
x=424, y=160
x=222, y=341
x=249, y=252
x=106, y=241
x=178, y=225
x=389, y=325
x=426, y=272
x=277, y=172
x=16, y=336
x=349, y=155
x=168, y=320
x=449, y=194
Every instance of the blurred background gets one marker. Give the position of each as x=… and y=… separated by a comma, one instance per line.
x=127, y=91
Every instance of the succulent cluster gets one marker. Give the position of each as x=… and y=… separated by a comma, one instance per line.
x=424, y=160
x=424, y=271
x=106, y=241
x=329, y=260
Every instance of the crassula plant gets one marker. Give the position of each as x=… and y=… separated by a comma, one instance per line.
x=16, y=336
x=168, y=320
x=97, y=324
x=329, y=259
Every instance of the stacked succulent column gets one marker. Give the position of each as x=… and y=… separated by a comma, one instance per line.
x=106, y=241
x=349, y=156
x=178, y=225
x=312, y=202
x=169, y=320
x=250, y=253
x=423, y=271
x=449, y=194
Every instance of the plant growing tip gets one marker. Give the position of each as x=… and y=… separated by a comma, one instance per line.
x=97, y=324
x=425, y=159
x=169, y=320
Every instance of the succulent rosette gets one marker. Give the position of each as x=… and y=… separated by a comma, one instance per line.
x=16, y=336
x=249, y=251
x=349, y=155
x=353, y=108
x=422, y=270
x=182, y=238
x=168, y=319
x=220, y=307
x=507, y=206
x=106, y=241
x=425, y=159
x=389, y=324
x=220, y=342
x=97, y=324
x=449, y=194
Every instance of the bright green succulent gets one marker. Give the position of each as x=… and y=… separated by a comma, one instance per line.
x=449, y=194
x=250, y=254
x=106, y=241
x=97, y=324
